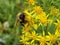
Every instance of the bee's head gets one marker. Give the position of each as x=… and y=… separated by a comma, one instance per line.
x=22, y=16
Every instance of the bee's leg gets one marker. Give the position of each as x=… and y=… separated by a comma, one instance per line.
x=16, y=22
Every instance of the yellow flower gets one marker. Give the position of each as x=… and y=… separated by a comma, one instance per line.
x=35, y=26
x=54, y=10
x=31, y=22
x=26, y=28
x=31, y=2
x=26, y=12
x=38, y=9
x=43, y=39
x=43, y=18
x=34, y=36
x=24, y=40
x=52, y=38
x=28, y=34
x=28, y=18
x=42, y=14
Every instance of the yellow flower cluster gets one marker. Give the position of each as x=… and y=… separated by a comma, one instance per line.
x=39, y=28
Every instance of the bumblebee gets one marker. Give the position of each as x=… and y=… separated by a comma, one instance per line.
x=21, y=18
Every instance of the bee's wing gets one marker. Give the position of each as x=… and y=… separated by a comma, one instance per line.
x=17, y=19
x=18, y=15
